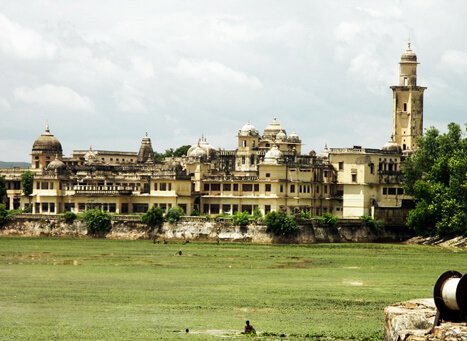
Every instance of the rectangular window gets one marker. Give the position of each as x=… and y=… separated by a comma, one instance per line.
x=155, y=186
x=267, y=187
x=44, y=185
x=162, y=186
x=226, y=187
x=282, y=189
x=140, y=208
x=247, y=187
x=235, y=187
x=354, y=177
x=124, y=209
x=226, y=208
x=341, y=165
x=170, y=186
x=51, y=185
x=325, y=189
x=400, y=191
x=243, y=160
x=215, y=187
x=256, y=187
x=38, y=185
x=234, y=208
x=45, y=207
x=206, y=187
x=247, y=208
x=391, y=191
x=37, y=207
x=206, y=209
x=267, y=209
x=268, y=175
x=292, y=188
x=112, y=208
x=405, y=106
x=214, y=208
x=372, y=168
x=385, y=191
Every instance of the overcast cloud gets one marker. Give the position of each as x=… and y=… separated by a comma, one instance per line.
x=103, y=73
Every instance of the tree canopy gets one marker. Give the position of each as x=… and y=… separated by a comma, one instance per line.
x=436, y=176
x=179, y=152
x=27, y=179
x=2, y=188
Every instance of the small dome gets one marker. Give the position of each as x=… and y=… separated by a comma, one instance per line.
x=392, y=146
x=272, y=156
x=56, y=165
x=197, y=151
x=294, y=137
x=281, y=136
x=409, y=55
x=324, y=154
x=47, y=143
x=91, y=156
x=248, y=129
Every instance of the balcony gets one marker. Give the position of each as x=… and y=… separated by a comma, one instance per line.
x=102, y=190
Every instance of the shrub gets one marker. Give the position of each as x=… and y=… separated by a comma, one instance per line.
x=372, y=223
x=328, y=219
x=257, y=215
x=153, y=217
x=241, y=218
x=195, y=213
x=97, y=222
x=69, y=217
x=281, y=224
x=305, y=215
x=174, y=214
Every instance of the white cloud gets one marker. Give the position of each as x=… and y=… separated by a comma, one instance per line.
x=129, y=99
x=4, y=104
x=143, y=68
x=54, y=95
x=455, y=61
x=21, y=42
x=214, y=72
x=347, y=31
x=368, y=68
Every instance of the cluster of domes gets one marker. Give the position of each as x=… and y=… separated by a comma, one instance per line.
x=56, y=165
x=48, y=143
x=273, y=131
x=200, y=149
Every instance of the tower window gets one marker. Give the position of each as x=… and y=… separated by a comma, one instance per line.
x=405, y=106
x=406, y=81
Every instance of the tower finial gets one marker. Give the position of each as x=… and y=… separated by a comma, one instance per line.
x=408, y=44
x=47, y=130
x=146, y=134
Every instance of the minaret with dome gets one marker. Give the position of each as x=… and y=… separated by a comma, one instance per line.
x=45, y=149
x=407, y=104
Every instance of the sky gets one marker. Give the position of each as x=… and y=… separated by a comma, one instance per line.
x=103, y=73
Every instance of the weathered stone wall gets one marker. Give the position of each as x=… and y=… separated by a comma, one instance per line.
x=199, y=228
x=413, y=321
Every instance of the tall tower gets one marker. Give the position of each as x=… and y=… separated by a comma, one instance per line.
x=407, y=104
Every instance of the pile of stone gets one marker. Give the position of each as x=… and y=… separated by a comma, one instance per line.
x=413, y=321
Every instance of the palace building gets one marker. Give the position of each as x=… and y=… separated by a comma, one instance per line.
x=267, y=171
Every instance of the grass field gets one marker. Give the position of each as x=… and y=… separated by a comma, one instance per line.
x=90, y=289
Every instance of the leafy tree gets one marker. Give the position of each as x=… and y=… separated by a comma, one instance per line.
x=241, y=218
x=27, y=179
x=257, y=215
x=328, y=219
x=69, y=217
x=195, y=213
x=174, y=214
x=2, y=189
x=281, y=224
x=97, y=222
x=181, y=151
x=153, y=217
x=436, y=176
x=372, y=223
x=3, y=214
x=305, y=215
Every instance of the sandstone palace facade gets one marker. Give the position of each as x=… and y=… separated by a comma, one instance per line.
x=267, y=171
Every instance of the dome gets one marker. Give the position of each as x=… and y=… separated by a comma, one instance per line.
x=294, y=137
x=272, y=156
x=324, y=154
x=197, y=151
x=281, y=136
x=248, y=129
x=273, y=128
x=392, y=146
x=409, y=55
x=90, y=156
x=56, y=165
x=47, y=143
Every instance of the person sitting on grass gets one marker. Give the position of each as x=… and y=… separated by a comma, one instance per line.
x=249, y=329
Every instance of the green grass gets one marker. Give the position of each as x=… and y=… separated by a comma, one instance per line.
x=90, y=289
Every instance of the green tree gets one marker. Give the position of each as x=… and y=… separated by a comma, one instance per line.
x=154, y=217
x=241, y=218
x=98, y=223
x=2, y=189
x=436, y=176
x=181, y=151
x=27, y=179
x=281, y=224
x=69, y=217
x=174, y=214
x=328, y=219
x=3, y=214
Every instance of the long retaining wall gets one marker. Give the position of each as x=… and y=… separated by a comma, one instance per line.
x=203, y=229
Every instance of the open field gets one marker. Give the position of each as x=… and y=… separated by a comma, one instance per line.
x=55, y=289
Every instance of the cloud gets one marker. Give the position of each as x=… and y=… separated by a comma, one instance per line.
x=129, y=99
x=368, y=68
x=455, y=61
x=347, y=31
x=53, y=95
x=21, y=42
x=4, y=104
x=214, y=72
x=143, y=68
